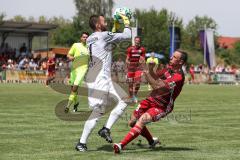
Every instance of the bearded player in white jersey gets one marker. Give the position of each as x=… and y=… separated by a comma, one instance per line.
x=99, y=77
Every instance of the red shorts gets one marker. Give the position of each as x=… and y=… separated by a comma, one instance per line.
x=157, y=112
x=51, y=73
x=134, y=76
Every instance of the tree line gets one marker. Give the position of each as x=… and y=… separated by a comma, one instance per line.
x=154, y=24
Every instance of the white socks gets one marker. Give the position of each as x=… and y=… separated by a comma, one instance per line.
x=87, y=130
x=96, y=115
x=91, y=123
x=115, y=114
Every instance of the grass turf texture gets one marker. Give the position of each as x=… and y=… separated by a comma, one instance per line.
x=204, y=125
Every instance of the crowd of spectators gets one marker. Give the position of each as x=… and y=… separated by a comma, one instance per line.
x=23, y=59
x=194, y=74
x=220, y=68
x=205, y=74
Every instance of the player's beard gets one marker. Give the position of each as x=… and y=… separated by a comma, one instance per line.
x=103, y=28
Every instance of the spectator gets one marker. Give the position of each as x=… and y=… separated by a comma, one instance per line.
x=44, y=66
x=23, y=64
x=234, y=69
x=200, y=68
x=191, y=72
x=4, y=66
x=15, y=64
x=10, y=64
x=152, y=59
x=23, y=50
x=120, y=65
x=32, y=65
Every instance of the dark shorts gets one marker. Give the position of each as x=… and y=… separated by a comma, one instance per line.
x=51, y=73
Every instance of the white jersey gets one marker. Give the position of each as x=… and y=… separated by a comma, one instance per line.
x=98, y=78
x=100, y=45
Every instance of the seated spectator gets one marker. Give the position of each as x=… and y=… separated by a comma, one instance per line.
x=15, y=64
x=4, y=66
x=23, y=64
x=33, y=65
x=10, y=64
x=43, y=65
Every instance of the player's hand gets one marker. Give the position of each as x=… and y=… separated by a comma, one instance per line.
x=70, y=58
x=125, y=19
x=116, y=26
x=127, y=63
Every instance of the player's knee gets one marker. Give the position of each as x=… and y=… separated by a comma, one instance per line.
x=91, y=123
x=120, y=108
x=132, y=121
x=145, y=119
x=97, y=113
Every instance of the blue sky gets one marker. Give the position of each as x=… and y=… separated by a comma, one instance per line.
x=225, y=13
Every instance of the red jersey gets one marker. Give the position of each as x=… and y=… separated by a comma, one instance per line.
x=191, y=70
x=134, y=54
x=51, y=65
x=166, y=97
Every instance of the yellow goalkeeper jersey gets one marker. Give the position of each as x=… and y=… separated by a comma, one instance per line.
x=81, y=55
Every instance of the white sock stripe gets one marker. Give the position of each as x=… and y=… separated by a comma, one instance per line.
x=136, y=129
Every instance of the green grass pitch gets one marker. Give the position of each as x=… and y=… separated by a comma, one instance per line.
x=205, y=125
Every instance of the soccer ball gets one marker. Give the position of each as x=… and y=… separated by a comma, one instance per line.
x=124, y=11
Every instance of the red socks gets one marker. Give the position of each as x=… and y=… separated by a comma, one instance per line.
x=145, y=133
x=132, y=134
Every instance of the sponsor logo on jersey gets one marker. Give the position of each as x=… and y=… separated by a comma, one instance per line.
x=135, y=55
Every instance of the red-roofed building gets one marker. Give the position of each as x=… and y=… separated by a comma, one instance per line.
x=227, y=42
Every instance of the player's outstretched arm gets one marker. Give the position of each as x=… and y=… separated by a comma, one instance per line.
x=125, y=35
x=118, y=37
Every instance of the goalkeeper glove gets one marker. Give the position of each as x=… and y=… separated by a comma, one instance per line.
x=125, y=19
x=116, y=26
